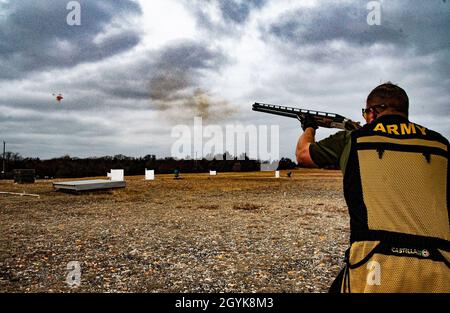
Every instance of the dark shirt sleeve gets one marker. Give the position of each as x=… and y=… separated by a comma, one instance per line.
x=328, y=152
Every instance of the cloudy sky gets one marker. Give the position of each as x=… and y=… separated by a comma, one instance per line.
x=134, y=69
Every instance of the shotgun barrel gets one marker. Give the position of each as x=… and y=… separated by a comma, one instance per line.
x=323, y=119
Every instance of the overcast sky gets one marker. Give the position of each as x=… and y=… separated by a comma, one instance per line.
x=134, y=69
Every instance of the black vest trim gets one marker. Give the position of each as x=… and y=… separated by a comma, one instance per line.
x=353, y=192
x=401, y=239
x=416, y=251
x=398, y=147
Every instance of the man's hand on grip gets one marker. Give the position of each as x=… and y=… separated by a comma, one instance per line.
x=308, y=121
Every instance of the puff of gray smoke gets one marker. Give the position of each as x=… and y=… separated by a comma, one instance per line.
x=175, y=96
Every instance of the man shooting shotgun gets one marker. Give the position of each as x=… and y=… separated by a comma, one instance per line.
x=396, y=185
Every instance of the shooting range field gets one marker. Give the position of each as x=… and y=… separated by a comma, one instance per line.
x=234, y=232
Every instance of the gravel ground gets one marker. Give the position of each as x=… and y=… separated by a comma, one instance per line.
x=229, y=233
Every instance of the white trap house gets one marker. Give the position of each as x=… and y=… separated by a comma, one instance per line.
x=116, y=180
x=116, y=175
x=149, y=174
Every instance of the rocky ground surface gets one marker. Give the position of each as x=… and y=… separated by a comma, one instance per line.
x=229, y=233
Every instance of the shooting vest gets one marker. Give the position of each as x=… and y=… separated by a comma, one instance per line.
x=396, y=186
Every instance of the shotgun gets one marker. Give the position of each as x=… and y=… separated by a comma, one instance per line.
x=323, y=119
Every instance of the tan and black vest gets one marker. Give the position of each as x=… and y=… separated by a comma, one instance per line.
x=396, y=186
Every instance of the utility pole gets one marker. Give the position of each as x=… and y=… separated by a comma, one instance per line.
x=4, y=155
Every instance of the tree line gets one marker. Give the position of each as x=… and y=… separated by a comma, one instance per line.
x=72, y=167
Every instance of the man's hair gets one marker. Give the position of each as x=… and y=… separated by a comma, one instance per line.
x=392, y=95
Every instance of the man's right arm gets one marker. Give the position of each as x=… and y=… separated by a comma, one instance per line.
x=325, y=153
x=302, y=150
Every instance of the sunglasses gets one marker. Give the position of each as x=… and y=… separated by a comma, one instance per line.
x=372, y=109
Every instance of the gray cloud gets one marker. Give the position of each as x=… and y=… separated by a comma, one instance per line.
x=413, y=24
x=424, y=24
x=234, y=14
x=34, y=34
x=238, y=11
x=340, y=21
